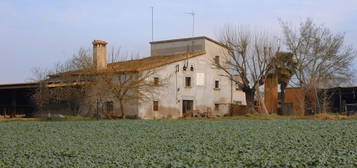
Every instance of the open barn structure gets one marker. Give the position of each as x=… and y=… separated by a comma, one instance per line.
x=16, y=99
x=343, y=100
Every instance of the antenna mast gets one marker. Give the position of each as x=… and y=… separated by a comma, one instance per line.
x=152, y=23
x=193, y=21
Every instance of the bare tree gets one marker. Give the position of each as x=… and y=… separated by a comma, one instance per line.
x=42, y=95
x=127, y=87
x=77, y=82
x=124, y=87
x=60, y=86
x=69, y=87
x=249, y=57
x=323, y=60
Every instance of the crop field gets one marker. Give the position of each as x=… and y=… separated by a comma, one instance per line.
x=182, y=143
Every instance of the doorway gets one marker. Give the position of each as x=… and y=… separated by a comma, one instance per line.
x=187, y=105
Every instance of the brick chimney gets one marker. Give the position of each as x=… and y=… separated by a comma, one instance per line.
x=100, y=54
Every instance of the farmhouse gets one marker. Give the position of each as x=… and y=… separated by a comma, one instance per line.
x=192, y=84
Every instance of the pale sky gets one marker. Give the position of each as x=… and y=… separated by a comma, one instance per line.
x=40, y=33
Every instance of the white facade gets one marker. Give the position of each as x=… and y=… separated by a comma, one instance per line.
x=209, y=91
x=202, y=93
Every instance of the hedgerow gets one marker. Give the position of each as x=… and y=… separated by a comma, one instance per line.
x=190, y=143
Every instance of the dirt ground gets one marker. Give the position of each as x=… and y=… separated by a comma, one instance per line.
x=16, y=118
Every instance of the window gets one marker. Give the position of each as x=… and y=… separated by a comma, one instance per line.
x=237, y=86
x=216, y=107
x=177, y=68
x=216, y=84
x=188, y=81
x=216, y=60
x=156, y=81
x=109, y=106
x=155, y=106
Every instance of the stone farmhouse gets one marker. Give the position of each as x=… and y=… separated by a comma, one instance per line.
x=192, y=83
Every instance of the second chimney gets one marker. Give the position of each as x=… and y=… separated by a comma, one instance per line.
x=100, y=54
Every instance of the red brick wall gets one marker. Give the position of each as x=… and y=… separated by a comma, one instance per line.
x=271, y=93
x=297, y=98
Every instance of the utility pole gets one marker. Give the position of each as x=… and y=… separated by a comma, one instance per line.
x=193, y=21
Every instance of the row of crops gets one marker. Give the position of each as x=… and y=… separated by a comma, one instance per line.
x=134, y=143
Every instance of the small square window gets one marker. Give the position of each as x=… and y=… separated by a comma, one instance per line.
x=109, y=106
x=156, y=105
x=237, y=86
x=216, y=84
x=188, y=81
x=216, y=107
x=156, y=81
x=216, y=60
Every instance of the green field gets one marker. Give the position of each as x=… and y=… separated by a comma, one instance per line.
x=182, y=143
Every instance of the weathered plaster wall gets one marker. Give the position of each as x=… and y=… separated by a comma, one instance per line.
x=96, y=95
x=202, y=92
x=177, y=47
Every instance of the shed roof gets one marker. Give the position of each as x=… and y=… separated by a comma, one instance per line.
x=19, y=85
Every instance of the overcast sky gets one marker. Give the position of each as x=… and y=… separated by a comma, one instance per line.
x=40, y=33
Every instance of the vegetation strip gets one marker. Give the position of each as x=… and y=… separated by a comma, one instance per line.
x=183, y=143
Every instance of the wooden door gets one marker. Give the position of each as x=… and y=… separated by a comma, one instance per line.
x=187, y=105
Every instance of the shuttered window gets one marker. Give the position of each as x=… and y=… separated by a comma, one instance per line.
x=156, y=106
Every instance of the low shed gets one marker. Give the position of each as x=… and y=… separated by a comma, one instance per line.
x=15, y=99
x=343, y=99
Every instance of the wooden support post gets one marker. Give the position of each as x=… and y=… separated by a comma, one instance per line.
x=340, y=100
x=97, y=115
x=4, y=111
x=13, y=104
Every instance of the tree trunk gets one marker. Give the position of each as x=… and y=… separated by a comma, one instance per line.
x=317, y=100
x=71, y=107
x=309, y=104
x=282, y=93
x=122, y=109
x=249, y=98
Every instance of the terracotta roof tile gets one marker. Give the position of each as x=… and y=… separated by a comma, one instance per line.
x=142, y=64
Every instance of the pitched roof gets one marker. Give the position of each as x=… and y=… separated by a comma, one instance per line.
x=19, y=85
x=142, y=64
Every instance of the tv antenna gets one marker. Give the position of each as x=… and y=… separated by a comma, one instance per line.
x=152, y=23
x=192, y=13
